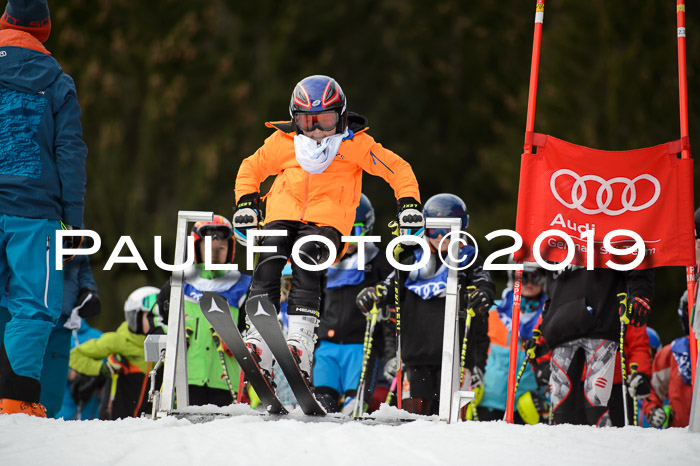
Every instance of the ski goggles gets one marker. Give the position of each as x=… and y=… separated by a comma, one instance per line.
x=536, y=277
x=219, y=232
x=435, y=232
x=149, y=301
x=325, y=121
x=358, y=229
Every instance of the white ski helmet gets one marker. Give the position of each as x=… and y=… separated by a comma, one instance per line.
x=140, y=300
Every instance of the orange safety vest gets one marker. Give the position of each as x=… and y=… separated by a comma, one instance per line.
x=329, y=198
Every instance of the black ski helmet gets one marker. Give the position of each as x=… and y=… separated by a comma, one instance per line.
x=446, y=205
x=316, y=94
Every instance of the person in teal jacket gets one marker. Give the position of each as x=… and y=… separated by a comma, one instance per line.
x=528, y=397
x=42, y=186
x=212, y=371
x=119, y=357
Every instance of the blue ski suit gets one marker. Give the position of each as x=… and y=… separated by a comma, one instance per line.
x=42, y=182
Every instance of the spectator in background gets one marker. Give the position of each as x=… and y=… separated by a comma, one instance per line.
x=341, y=332
x=42, y=185
x=668, y=404
x=119, y=357
x=581, y=325
x=212, y=371
x=81, y=398
x=529, y=401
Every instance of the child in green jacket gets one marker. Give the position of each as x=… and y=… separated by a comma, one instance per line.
x=212, y=371
x=119, y=356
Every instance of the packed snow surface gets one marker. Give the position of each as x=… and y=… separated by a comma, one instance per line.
x=244, y=437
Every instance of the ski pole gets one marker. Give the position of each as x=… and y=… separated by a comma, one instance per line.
x=220, y=349
x=463, y=355
x=395, y=225
x=390, y=395
x=241, y=383
x=623, y=320
x=635, y=409
x=361, y=384
x=359, y=406
x=520, y=373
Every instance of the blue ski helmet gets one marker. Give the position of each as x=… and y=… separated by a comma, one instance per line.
x=445, y=205
x=314, y=95
x=364, y=217
x=654, y=340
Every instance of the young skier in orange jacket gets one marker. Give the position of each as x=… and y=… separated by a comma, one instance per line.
x=318, y=158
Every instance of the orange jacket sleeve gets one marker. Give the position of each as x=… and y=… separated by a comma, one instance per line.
x=257, y=167
x=379, y=161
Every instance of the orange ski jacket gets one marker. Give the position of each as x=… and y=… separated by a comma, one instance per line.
x=329, y=198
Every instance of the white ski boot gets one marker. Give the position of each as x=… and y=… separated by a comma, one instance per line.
x=301, y=338
x=257, y=347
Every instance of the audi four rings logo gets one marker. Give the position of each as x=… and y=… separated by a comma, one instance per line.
x=604, y=195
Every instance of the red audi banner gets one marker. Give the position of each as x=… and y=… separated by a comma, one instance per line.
x=586, y=194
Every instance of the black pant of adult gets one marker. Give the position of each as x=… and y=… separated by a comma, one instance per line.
x=305, y=293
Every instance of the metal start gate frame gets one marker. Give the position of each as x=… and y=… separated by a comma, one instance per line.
x=452, y=399
x=175, y=369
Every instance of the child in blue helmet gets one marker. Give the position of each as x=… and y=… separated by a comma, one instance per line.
x=422, y=304
x=341, y=332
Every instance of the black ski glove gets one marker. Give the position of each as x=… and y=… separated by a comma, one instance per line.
x=71, y=242
x=535, y=347
x=390, y=368
x=657, y=417
x=88, y=303
x=370, y=295
x=638, y=310
x=639, y=385
x=543, y=372
x=246, y=215
x=478, y=300
x=85, y=386
x=410, y=218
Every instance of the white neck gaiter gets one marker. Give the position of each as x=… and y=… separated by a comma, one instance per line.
x=313, y=157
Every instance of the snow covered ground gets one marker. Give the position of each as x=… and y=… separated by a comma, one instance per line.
x=247, y=439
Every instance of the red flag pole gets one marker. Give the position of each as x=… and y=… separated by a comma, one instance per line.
x=683, y=97
x=529, y=128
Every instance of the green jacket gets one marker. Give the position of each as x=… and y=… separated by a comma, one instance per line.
x=87, y=357
x=204, y=366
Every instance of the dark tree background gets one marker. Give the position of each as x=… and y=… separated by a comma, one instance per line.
x=175, y=94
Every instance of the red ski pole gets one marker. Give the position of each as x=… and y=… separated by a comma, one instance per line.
x=529, y=128
x=685, y=153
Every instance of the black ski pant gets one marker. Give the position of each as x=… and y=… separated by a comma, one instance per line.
x=305, y=293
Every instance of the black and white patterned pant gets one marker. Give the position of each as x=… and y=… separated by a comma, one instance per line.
x=581, y=381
